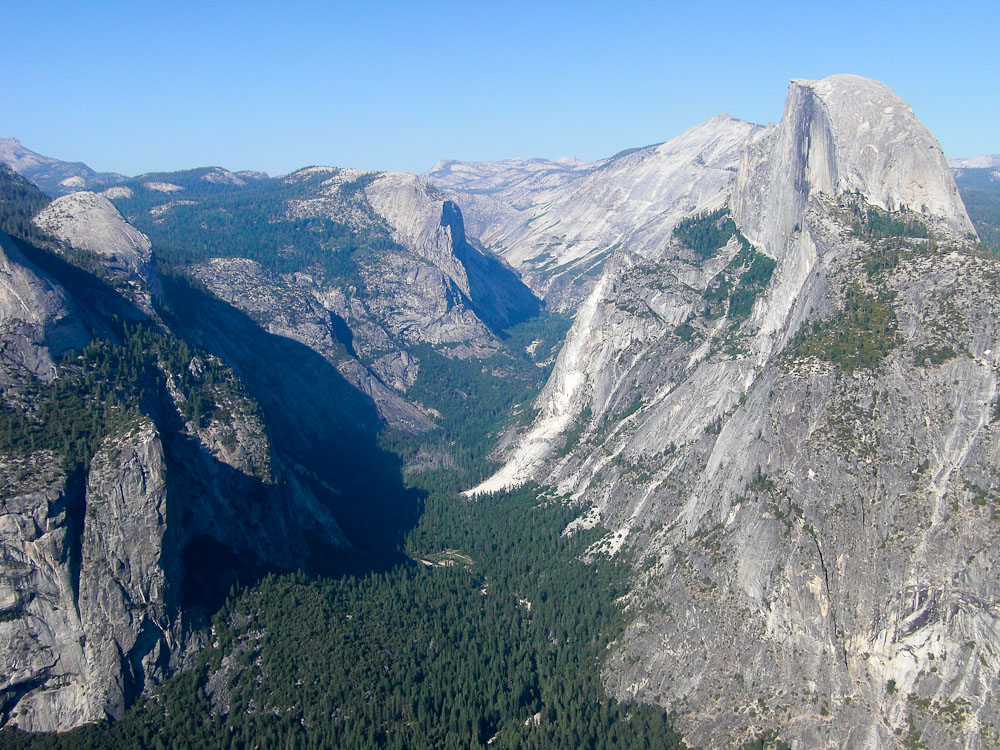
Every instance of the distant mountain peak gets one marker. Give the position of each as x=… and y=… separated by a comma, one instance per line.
x=53, y=176
x=982, y=161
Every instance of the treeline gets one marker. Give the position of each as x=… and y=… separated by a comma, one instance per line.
x=858, y=337
x=20, y=200
x=872, y=222
x=706, y=232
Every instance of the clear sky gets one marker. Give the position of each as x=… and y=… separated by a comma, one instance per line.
x=146, y=86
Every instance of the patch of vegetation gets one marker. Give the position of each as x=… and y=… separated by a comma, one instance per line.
x=761, y=483
x=767, y=741
x=211, y=220
x=474, y=402
x=684, y=331
x=752, y=282
x=105, y=389
x=735, y=289
x=706, y=232
x=885, y=257
x=872, y=222
x=858, y=337
x=933, y=356
x=573, y=434
x=543, y=333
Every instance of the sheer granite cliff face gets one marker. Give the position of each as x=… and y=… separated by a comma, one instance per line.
x=561, y=225
x=92, y=609
x=839, y=136
x=810, y=488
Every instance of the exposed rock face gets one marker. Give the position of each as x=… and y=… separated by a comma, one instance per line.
x=463, y=298
x=561, y=228
x=51, y=175
x=89, y=222
x=129, y=571
x=40, y=624
x=93, y=616
x=844, y=134
x=37, y=322
x=816, y=514
x=443, y=290
x=494, y=193
x=413, y=210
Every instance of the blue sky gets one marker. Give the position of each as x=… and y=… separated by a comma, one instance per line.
x=135, y=87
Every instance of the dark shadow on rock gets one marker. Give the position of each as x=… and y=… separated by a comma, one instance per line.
x=497, y=295
x=342, y=333
x=96, y=299
x=319, y=425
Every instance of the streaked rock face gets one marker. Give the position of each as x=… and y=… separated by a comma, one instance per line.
x=817, y=539
x=844, y=135
x=95, y=615
x=562, y=224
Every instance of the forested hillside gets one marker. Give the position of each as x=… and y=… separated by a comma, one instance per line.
x=980, y=189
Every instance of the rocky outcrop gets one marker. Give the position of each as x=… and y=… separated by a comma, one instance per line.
x=39, y=622
x=92, y=588
x=130, y=569
x=494, y=193
x=90, y=223
x=37, y=318
x=806, y=470
x=435, y=287
x=562, y=226
x=413, y=210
